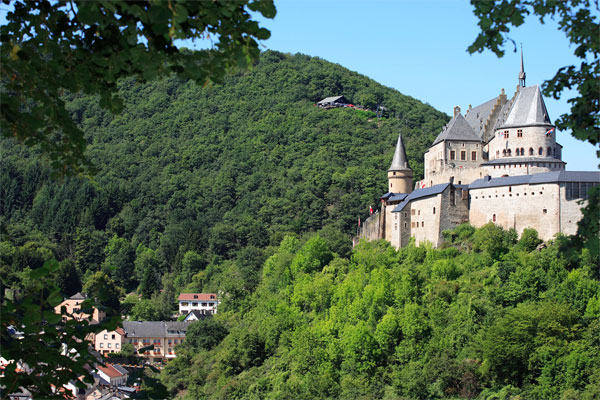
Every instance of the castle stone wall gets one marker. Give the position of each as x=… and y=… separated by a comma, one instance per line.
x=533, y=137
x=518, y=207
x=440, y=167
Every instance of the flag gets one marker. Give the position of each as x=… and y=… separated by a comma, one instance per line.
x=549, y=131
x=423, y=185
x=370, y=210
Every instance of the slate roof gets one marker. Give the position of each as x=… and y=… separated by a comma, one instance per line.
x=477, y=116
x=528, y=109
x=398, y=197
x=78, y=296
x=517, y=160
x=421, y=193
x=196, y=313
x=400, y=160
x=197, y=296
x=546, y=177
x=457, y=129
x=143, y=329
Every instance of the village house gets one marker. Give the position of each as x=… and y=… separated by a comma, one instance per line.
x=109, y=341
x=158, y=338
x=113, y=374
x=72, y=310
x=206, y=303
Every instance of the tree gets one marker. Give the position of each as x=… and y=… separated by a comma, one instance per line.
x=580, y=24
x=83, y=46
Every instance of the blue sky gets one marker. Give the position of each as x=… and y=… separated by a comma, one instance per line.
x=419, y=48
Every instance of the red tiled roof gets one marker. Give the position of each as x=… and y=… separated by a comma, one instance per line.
x=197, y=296
x=120, y=331
x=110, y=371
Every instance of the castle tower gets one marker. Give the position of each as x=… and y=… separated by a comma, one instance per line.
x=400, y=176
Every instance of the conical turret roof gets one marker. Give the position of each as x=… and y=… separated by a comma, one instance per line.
x=528, y=109
x=400, y=161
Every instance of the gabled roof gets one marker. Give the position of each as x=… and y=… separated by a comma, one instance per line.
x=477, y=116
x=197, y=296
x=400, y=160
x=528, y=109
x=458, y=129
x=398, y=197
x=111, y=371
x=546, y=177
x=136, y=329
x=78, y=296
x=421, y=193
x=197, y=314
x=333, y=99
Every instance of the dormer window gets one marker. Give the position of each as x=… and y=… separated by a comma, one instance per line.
x=195, y=296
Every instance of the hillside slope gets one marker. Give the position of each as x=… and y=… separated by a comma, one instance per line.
x=222, y=171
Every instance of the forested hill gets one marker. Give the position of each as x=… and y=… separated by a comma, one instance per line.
x=218, y=173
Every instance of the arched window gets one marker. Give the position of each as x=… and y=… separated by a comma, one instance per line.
x=504, y=153
x=530, y=151
x=549, y=151
x=508, y=152
x=517, y=152
x=494, y=218
x=541, y=151
x=522, y=151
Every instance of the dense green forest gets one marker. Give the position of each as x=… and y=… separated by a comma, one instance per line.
x=487, y=316
x=195, y=186
x=250, y=190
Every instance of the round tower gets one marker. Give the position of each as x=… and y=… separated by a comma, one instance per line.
x=400, y=176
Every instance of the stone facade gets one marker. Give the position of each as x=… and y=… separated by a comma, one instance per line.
x=498, y=163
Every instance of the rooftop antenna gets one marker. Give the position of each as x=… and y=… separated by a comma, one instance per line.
x=522, y=73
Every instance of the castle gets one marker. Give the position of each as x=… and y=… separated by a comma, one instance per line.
x=499, y=163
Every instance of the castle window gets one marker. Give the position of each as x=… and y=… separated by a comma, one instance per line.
x=405, y=224
x=519, y=132
x=522, y=151
x=509, y=189
x=394, y=172
x=452, y=155
x=505, y=134
x=545, y=211
x=418, y=212
x=497, y=153
x=549, y=151
x=463, y=155
x=494, y=217
x=395, y=227
x=463, y=145
x=412, y=212
x=422, y=224
x=540, y=151
x=474, y=155
x=433, y=210
x=530, y=151
x=504, y=153
x=412, y=224
x=508, y=152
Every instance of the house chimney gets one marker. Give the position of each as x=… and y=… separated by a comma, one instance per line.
x=487, y=178
x=456, y=110
x=452, y=180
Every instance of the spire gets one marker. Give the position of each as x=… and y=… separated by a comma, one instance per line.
x=522, y=73
x=400, y=161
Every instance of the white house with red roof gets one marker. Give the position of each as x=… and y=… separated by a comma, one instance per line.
x=113, y=374
x=109, y=341
x=205, y=303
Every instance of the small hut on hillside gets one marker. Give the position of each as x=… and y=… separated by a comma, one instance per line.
x=334, y=101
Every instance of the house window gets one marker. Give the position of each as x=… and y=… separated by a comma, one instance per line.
x=474, y=155
x=184, y=304
x=463, y=155
x=505, y=134
x=116, y=345
x=519, y=132
x=101, y=345
x=109, y=345
x=113, y=337
x=452, y=155
x=203, y=304
x=105, y=336
x=195, y=304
